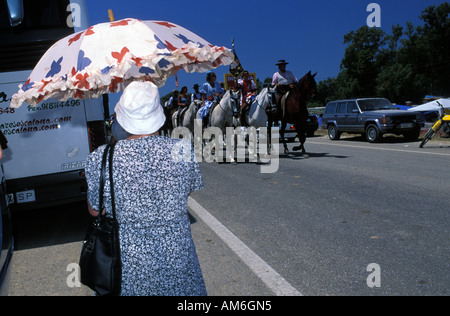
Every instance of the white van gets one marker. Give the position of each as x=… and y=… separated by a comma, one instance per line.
x=47, y=144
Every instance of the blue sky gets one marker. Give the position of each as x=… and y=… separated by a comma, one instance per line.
x=308, y=34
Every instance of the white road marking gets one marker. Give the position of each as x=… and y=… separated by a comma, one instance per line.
x=379, y=148
x=271, y=278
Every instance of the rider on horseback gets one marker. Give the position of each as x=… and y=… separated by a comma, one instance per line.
x=172, y=104
x=211, y=93
x=196, y=95
x=248, y=87
x=284, y=81
x=183, y=104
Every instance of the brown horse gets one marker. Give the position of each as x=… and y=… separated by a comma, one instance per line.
x=295, y=112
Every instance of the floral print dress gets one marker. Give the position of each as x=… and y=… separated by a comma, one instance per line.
x=153, y=177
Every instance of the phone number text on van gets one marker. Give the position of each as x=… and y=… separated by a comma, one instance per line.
x=34, y=125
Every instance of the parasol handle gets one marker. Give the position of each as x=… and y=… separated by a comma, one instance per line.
x=111, y=15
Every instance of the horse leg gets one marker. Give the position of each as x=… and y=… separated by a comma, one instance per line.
x=230, y=147
x=252, y=144
x=301, y=133
x=269, y=137
x=269, y=140
x=283, y=140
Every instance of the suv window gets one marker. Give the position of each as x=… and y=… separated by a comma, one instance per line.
x=331, y=108
x=342, y=108
x=375, y=104
x=351, y=105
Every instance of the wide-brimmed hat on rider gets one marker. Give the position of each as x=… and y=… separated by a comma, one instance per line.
x=281, y=62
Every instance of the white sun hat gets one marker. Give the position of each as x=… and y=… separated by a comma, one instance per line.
x=139, y=110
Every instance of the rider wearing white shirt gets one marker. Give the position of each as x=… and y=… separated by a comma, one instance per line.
x=283, y=80
x=283, y=77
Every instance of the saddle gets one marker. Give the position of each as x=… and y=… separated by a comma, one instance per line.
x=207, y=117
x=283, y=103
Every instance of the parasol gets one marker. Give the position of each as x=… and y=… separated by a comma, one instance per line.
x=106, y=57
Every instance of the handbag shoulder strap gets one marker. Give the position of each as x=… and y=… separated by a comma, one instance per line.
x=113, y=203
x=102, y=182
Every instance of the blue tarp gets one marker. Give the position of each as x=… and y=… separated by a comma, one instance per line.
x=402, y=107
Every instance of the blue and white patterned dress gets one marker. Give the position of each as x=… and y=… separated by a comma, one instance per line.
x=210, y=93
x=151, y=191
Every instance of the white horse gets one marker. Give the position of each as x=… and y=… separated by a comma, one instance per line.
x=256, y=116
x=221, y=118
x=223, y=114
x=187, y=120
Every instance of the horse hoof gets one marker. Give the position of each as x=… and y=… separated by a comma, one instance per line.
x=286, y=151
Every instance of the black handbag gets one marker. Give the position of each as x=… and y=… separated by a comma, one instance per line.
x=100, y=263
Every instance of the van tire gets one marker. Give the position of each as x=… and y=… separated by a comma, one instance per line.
x=333, y=132
x=373, y=134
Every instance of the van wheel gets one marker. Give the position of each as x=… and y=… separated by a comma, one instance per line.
x=373, y=134
x=333, y=132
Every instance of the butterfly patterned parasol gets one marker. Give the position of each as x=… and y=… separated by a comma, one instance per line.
x=106, y=57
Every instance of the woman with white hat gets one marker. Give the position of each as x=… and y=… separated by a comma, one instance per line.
x=151, y=191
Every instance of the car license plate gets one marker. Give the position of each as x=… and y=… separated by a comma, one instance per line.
x=25, y=196
x=406, y=125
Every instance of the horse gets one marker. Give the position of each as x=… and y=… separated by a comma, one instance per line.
x=295, y=112
x=223, y=114
x=257, y=116
x=167, y=128
x=187, y=119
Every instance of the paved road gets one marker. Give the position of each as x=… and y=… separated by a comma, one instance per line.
x=319, y=222
x=311, y=228
x=48, y=241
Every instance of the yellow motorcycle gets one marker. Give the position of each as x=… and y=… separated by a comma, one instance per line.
x=443, y=121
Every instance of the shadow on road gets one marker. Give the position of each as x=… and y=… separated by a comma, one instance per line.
x=50, y=226
x=299, y=155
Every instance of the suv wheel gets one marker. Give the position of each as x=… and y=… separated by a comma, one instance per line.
x=373, y=134
x=333, y=132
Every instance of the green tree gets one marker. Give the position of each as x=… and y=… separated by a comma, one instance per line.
x=406, y=65
x=427, y=49
x=364, y=58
